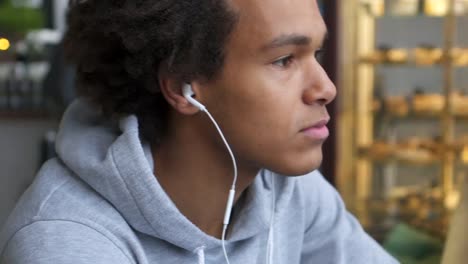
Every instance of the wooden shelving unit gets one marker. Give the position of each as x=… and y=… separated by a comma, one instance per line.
x=363, y=112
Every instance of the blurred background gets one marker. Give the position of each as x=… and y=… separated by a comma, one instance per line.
x=35, y=86
x=398, y=150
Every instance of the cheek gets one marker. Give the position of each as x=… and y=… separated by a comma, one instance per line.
x=265, y=106
x=265, y=109
x=264, y=130
x=260, y=111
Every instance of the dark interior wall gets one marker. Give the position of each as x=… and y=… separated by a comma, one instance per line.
x=330, y=65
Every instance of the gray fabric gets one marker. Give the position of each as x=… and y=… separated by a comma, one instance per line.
x=100, y=203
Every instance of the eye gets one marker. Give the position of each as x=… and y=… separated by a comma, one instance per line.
x=319, y=55
x=284, y=61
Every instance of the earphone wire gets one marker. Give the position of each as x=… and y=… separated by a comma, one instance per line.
x=270, y=245
x=224, y=246
x=228, y=148
x=233, y=187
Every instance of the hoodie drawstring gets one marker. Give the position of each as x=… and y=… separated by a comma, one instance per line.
x=270, y=245
x=201, y=254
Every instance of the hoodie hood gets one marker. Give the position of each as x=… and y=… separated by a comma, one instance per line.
x=111, y=158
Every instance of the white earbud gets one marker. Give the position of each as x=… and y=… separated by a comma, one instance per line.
x=188, y=93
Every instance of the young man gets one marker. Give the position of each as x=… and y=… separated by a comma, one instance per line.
x=143, y=175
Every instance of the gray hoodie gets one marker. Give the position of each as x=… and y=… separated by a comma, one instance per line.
x=99, y=202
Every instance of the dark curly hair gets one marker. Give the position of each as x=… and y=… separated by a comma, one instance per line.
x=118, y=46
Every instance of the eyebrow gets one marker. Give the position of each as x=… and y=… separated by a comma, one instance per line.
x=291, y=39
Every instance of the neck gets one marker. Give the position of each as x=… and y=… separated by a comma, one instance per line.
x=197, y=173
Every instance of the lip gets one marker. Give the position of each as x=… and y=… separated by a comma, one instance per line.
x=318, y=130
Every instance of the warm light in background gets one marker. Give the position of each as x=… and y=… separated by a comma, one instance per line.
x=4, y=44
x=436, y=7
x=464, y=155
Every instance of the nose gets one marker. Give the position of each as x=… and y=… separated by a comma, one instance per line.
x=319, y=88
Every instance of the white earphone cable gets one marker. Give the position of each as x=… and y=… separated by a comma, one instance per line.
x=227, y=146
x=224, y=246
x=232, y=191
x=188, y=93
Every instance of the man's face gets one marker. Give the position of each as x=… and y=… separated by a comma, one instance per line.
x=271, y=95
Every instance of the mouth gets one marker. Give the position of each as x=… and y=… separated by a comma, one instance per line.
x=318, y=130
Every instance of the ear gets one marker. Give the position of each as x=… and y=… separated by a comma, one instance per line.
x=171, y=89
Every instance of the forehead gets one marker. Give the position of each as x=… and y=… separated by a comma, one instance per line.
x=262, y=20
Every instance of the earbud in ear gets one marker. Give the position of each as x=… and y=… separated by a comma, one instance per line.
x=188, y=93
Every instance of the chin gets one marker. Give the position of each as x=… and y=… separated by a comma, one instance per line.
x=303, y=164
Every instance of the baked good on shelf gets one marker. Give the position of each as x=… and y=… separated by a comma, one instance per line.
x=461, y=7
x=427, y=55
x=376, y=56
x=430, y=144
x=461, y=146
x=397, y=105
x=375, y=8
x=459, y=56
x=412, y=152
x=381, y=150
x=434, y=104
x=436, y=7
x=397, y=56
x=459, y=104
x=428, y=103
x=417, y=150
x=464, y=154
x=386, y=54
x=402, y=7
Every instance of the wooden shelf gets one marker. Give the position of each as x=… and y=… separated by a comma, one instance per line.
x=414, y=156
x=419, y=57
x=417, y=14
x=421, y=115
x=405, y=64
x=413, y=17
x=408, y=64
x=379, y=107
x=396, y=153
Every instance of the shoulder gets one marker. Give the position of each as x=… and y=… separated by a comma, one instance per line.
x=323, y=205
x=329, y=227
x=57, y=193
x=61, y=241
x=57, y=209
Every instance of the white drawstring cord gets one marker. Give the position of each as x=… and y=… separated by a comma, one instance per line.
x=271, y=240
x=201, y=254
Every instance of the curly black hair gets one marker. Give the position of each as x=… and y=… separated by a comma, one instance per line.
x=118, y=46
